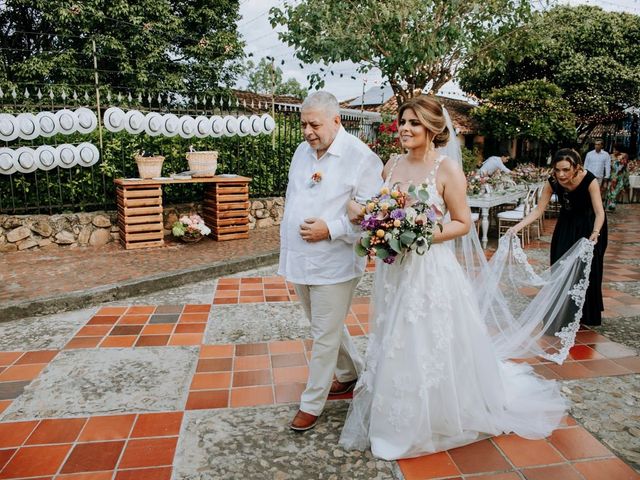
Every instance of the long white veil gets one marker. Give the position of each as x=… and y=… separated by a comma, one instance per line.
x=527, y=313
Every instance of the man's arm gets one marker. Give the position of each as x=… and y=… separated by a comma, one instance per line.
x=369, y=182
x=503, y=168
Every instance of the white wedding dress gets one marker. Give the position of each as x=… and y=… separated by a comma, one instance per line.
x=433, y=378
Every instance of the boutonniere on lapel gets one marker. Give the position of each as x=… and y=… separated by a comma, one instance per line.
x=315, y=179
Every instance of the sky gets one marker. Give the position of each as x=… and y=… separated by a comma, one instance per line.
x=263, y=41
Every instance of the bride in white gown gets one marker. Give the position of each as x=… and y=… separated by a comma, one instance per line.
x=434, y=377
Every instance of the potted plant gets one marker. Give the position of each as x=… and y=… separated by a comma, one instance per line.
x=190, y=229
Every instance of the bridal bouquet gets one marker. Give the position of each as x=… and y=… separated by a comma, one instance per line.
x=397, y=222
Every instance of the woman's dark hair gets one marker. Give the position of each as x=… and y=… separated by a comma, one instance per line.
x=568, y=154
x=620, y=147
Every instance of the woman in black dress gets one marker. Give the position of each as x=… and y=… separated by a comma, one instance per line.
x=581, y=216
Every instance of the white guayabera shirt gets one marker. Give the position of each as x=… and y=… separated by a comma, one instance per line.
x=349, y=169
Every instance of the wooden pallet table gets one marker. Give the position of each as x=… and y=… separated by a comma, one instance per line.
x=225, y=209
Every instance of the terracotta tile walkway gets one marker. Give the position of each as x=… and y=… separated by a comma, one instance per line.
x=141, y=446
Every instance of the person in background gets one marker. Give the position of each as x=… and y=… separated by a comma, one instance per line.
x=619, y=181
x=581, y=216
x=598, y=162
x=491, y=164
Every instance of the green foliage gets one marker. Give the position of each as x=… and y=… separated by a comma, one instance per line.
x=414, y=43
x=532, y=109
x=168, y=45
x=470, y=159
x=591, y=54
x=265, y=77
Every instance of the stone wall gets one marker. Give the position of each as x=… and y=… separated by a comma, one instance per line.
x=25, y=232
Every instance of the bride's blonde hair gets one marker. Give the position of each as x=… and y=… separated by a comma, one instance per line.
x=429, y=112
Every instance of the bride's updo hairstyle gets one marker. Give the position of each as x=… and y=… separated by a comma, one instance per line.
x=429, y=112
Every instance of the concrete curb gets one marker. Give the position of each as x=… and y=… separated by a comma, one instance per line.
x=131, y=288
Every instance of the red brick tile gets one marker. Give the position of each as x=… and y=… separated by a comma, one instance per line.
x=228, y=281
x=251, y=362
x=253, y=280
x=290, y=375
x=157, y=424
x=288, y=360
x=355, y=330
x=526, y=453
x=83, y=342
x=112, y=310
x=605, y=367
x=154, y=452
x=190, y=328
x=276, y=298
x=571, y=370
x=610, y=469
x=589, y=336
x=252, y=299
x=64, y=430
x=252, y=349
x=251, y=396
x=289, y=392
x=157, y=473
x=216, y=351
x=576, y=444
x=152, y=341
x=583, y=352
x=214, y=365
x=35, y=461
x=225, y=301
x=498, y=476
x=194, y=318
x=93, y=457
x=5, y=456
x=211, y=381
x=4, y=404
x=119, y=341
x=556, y=472
x=286, y=346
x=112, y=427
x=121, y=330
x=21, y=372
x=613, y=350
x=251, y=378
x=205, y=399
x=42, y=356
x=428, y=466
x=186, y=338
x=227, y=294
x=104, y=320
x=197, y=308
x=141, y=309
x=94, y=331
x=86, y=476
x=7, y=358
x=133, y=320
x=479, y=457
x=631, y=363
x=158, y=329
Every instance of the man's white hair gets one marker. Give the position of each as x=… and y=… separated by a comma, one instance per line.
x=322, y=101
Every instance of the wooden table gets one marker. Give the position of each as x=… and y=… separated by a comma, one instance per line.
x=487, y=200
x=225, y=208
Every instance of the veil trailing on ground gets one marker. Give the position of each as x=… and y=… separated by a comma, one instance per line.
x=527, y=313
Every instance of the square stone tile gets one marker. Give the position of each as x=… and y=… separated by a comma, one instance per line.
x=49, y=332
x=255, y=323
x=108, y=381
x=169, y=318
x=256, y=442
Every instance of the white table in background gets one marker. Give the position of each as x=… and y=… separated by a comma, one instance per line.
x=487, y=200
x=634, y=182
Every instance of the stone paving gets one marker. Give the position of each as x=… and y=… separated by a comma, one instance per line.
x=200, y=381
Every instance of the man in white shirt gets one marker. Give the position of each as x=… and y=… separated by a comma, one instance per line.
x=598, y=162
x=491, y=164
x=317, y=241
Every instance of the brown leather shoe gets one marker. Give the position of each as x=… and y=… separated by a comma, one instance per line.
x=303, y=421
x=340, y=388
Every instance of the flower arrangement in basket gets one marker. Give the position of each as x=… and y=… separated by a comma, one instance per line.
x=397, y=222
x=190, y=228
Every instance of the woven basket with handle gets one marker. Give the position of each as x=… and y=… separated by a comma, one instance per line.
x=203, y=162
x=149, y=167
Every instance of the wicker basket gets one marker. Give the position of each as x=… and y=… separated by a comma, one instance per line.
x=149, y=167
x=203, y=162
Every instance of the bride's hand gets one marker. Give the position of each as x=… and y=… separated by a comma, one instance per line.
x=355, y=211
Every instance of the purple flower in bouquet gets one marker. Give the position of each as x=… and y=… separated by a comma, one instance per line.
x=398, y=214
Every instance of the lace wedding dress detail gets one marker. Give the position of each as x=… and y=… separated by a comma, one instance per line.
x=438, y=373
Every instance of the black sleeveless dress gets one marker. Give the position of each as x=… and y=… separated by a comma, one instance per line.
x=576, y=221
